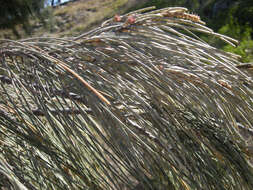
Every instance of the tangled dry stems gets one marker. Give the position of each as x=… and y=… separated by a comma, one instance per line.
x=140, y=102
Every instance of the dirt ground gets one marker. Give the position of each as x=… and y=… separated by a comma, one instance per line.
x=87, y=14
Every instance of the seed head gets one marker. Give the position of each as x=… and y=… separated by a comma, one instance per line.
x=131, y=19
x=117, y=18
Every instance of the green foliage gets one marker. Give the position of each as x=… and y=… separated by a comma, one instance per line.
x=243, y=12
x=14, y=12
x=243, y=34
x=237, y=23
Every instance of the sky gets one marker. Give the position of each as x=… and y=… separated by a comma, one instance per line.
x=49, y=1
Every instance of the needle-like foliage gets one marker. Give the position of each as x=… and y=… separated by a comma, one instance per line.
x=138, y=103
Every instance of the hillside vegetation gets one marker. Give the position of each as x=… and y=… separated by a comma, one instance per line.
x=71, y=19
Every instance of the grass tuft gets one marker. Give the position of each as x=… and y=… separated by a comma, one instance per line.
x=140, y=102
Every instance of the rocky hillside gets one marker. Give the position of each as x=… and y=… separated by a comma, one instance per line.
x=73, y=18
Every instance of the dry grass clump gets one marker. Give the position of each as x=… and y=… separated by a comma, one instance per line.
x=138, y=103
